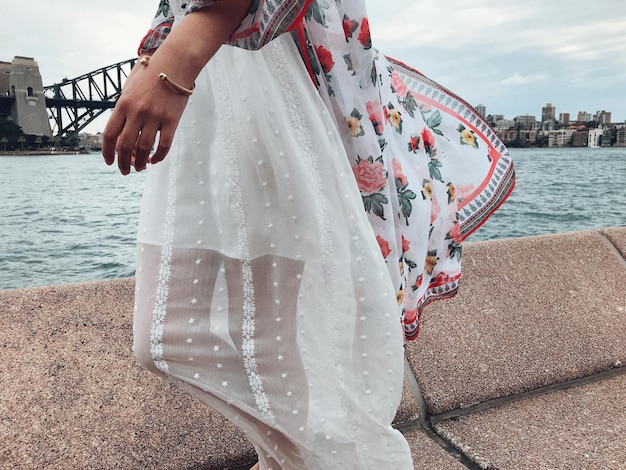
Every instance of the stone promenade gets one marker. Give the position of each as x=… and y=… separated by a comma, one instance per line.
x=523, y=370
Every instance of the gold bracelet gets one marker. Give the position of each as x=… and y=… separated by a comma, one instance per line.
x=177, y=87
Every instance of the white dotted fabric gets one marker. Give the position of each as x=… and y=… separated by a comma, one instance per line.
x=260, y=285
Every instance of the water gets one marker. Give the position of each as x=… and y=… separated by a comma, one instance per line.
x=70, y=218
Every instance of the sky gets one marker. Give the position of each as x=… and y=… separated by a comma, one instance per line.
x=511, y=56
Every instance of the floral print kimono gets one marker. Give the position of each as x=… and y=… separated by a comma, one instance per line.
x=260, y=286
x=429, y=168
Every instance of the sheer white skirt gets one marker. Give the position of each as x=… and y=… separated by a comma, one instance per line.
x=260, y=285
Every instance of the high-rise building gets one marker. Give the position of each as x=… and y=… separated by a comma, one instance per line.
x=564, y=119
x=548, y=113
x=603, y=117
x=584, y=117
x=482, y=110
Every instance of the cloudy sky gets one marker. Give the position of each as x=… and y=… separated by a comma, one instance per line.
x=511, y=56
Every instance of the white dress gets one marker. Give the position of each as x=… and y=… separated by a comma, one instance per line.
x=260, y=284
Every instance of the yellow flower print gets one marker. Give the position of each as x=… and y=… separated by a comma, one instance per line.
x=395, y=118
x=467, y=136
x=427, y=190
x=431, y=261
x=354, y=125
x=399, y=297
x=451, y=193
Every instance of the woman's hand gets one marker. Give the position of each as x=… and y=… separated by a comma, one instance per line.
x=149, y=105
x=146, y=106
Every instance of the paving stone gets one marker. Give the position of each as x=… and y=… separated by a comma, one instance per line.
x=617, y=236
x=428, y=455
x=578, y=428
x=531, y=312
x=73, y=397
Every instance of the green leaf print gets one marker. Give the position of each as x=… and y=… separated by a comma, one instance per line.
x=405, y=198
x=164, y=9
x=433, y=168
x=316, y=11
x=374, y=203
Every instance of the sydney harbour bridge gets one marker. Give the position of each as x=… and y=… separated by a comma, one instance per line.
x=73, y=104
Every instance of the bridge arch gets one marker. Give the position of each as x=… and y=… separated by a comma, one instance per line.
x=74, y=103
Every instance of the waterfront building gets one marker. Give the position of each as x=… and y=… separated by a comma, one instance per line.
x=595, y=137
x=607, y=137
x=482, y=110
x=560, y=138
x=564, y=119
x=580, y=138
x=620, y=137
x=584, y=117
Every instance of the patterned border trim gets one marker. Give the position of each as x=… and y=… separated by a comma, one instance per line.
x=502, y=179
x=248, y=327
x=159, y=312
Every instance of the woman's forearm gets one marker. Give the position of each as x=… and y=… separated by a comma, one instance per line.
x=197, y=37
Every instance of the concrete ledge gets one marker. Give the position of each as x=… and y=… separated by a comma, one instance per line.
x=579, y=428
x=532, y=312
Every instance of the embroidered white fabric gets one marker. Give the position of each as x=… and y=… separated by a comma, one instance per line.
x=260, y=285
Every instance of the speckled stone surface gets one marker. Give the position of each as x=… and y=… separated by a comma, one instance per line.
x=617, y=236
x=531, y=312
x=73, y=397
x=428, y=455
x=579, y=428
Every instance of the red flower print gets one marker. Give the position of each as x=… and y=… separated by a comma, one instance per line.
x=375, y=112
x=429, y=140
x=349, y=26
x=364, y=36
x=439, y=280
x=398, y=85
x=414, y=144
x=455, y=233
x=386, y=113
x=406, y=244
x=434, y=211
x=384, y=246
x=398, y=174
x=370, y=176
x=325, y=57
x=410, y=316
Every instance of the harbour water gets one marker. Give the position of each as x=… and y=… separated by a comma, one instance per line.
x=70, y=218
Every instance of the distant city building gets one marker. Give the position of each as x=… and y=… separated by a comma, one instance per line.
x=584, y=117
x=603, y=117
x=504, y=124
x=607, y=137
x=595, y=137
x=482, y=110
x=560, y=138
x=548, y=113
x=526, y=121
x=620, y=137
x=564, y=119
x=580, y=138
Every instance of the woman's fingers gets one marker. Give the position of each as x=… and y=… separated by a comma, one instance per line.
x=144, y=145
x=109, y=137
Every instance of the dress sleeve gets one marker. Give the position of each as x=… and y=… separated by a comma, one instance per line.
x=266, y=20
x=160, y=28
